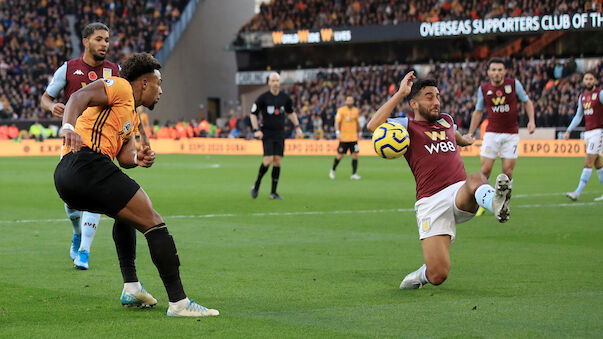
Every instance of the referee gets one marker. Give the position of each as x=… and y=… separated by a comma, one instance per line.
x=272, y=105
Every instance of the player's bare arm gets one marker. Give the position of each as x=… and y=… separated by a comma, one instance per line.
x=384, y=111
x=56, y=108
x=295, y=121
x=144, y=138
x=338, y=129
x=255, y=126
x=91, y=95
x=476, y=119
x=129, y=157
x=463, y=140
x=530, y=112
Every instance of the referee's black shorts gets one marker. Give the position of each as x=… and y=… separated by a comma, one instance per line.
x=90, y=181
x=351, y=146
x=274, y=146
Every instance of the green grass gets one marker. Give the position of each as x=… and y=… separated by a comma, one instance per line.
x=324, y=262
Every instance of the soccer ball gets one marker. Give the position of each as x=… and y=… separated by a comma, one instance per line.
x=391, y=140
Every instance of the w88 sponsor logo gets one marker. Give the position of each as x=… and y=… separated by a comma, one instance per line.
x=501, y=108
x=443, y=146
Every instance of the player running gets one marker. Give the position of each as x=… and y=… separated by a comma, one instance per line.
x=500, y=97
x=71, y=76
x=590, y=106
x=87, y=179
x=446, y=195
x=347, y=128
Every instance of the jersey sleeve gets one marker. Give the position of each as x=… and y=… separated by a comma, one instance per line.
x=289, y=105
x=521, y=93
x=58, y=82
x=480, y=104
x=401, y=121
x=601, y=96
x=257, y=105
x=118, y=90
x=338, y=115
x=578, y=117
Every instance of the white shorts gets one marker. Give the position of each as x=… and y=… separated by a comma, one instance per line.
x=505, y=143
x=594, y=141
x=438, y=214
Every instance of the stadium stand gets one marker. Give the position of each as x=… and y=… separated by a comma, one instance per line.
x=35, y=41
x=553, y=86
x=307, y=14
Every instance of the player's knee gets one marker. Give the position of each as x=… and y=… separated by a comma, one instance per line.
x=437, y=275
x=157, y=219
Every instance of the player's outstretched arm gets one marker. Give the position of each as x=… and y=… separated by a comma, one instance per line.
x=531, y=120
x=91, y=95
x=386, y=110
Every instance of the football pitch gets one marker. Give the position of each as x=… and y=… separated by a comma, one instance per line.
x=324, y=262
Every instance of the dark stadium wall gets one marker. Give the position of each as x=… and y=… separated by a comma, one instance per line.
x=200, y=67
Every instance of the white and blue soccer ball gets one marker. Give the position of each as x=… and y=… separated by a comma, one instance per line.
x=391, y=140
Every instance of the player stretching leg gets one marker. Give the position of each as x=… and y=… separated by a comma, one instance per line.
x=446, y=195
x=500, y=97
x=590, y=105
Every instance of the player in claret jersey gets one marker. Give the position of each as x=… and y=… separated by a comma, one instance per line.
x=590, y=105
x=446, y=195
x=500, y=98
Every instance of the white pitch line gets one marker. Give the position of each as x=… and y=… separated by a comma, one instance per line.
x=392, y=210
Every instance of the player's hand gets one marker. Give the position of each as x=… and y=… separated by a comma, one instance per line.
x=145, y=157
x=406, y=83
x=469, y=139
x=531, y=127
x=299, y=134
x=258, y=134
x=566, y=135
x=72, y=140
x=58, y=109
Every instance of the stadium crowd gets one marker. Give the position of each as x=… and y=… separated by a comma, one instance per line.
x=552, y=85
x=35, y=41
x=312, y=14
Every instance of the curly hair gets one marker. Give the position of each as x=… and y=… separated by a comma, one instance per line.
x=419, y=85
x=137, y=65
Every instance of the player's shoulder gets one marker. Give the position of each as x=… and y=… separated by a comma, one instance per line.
x=117, y=84
x=446, y=117
x=108, y=63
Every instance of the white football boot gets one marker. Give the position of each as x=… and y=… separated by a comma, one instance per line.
x=355, y=177
x=332, y=174
x=599, y=198
x=412, y=281
x=140, y=299
x=502, y=197
x=573, y=196
x=192, y=310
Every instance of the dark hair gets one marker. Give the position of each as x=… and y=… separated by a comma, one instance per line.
x=591, y=72
x=419, y=85
x=496, y=60
x=91, y=28
x=137, y=65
